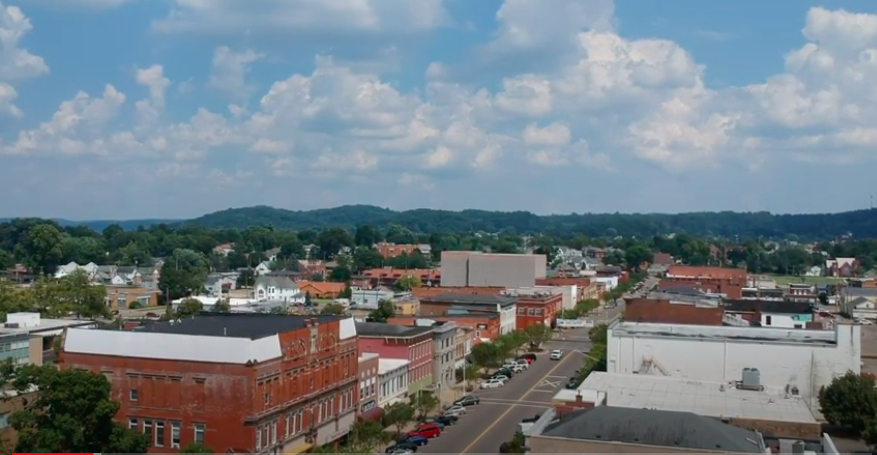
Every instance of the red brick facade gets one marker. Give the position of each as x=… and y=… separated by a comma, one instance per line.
x=484, y=327
x=708, y=279
x=368, y=386
x=242, y=408
x=665, y=312
x=536, y=309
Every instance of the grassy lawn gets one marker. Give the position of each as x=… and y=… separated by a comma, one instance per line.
x=815, y=280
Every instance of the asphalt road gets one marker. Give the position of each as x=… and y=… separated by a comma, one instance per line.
x=495, y=420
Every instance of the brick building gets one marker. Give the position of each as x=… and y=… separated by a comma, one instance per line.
x=485, y=327
x=256, y=383
x=387, y=276
x=717, y=280
x=391, y=250
x=424, y=292
x=465, y=304
x=536, y=307
x=368, y=408
x=585, y=288
x=125, y=297
x=666, y=311
x=392, y=341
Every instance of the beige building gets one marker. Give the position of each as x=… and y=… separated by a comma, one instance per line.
x=473, y=268
x=27, y=338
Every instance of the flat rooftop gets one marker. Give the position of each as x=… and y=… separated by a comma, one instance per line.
x=723, y=333
x=470, y=299
x=233, y=325
x=386, y=365
x=46, y=325
x=382, y=329
x=700, y=397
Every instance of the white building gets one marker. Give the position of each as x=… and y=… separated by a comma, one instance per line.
x=90, y=269
x=611, y=282
x=278, y=288
x=803, y=359
x=393, y=379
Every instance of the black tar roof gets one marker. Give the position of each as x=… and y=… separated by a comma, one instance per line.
x=768, y=306
x=382, y=329
x=252, y=326
x=471, y=299
x=654, y=428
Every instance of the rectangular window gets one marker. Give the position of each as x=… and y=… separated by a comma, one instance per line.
x=147, y=429
x=267, y=399
x=199, y=433
x=531, y=311
x=159, y=434
x=274, y=431
x=259, y=438
x=175, y=435
x=133, y=395
x=133, y=424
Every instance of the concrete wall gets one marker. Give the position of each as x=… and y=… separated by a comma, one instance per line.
x=788, y=321
x=467, y=268
x=807, y=366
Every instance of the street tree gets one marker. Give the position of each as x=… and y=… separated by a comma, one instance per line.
x=850, y=401
x=538, y=334
x=424, y=403
x=367, y=435
x=222, y=306
x=72, y=412
x=398, y=415
x=408, y=282
x=386, y=310
x=486, y=356
x=470, y=374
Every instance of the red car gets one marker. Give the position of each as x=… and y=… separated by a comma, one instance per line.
x=427, y=430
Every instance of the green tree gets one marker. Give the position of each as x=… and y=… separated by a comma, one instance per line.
x=189, y=307
x=424, y=403
x=538, y=334
x=222, y=306
x=599, y=334
x=340, y=274
x=398, y=415
x=73, y=412
x=366, y=235
x=367, y=435
x=366, y=257
x=408, y=282
x=194, y=447
x=470, y=374
x=42, y=248
x=308, y=301
x=386, y=310
x=333, y=308
x=332, y=240
x=486, y=356
x=516, y=445
x=849, y=401
x=82, y=297
x=183, y=273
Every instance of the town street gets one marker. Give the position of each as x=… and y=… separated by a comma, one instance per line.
x=495, y=420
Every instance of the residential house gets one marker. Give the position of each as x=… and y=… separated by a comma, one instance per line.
x=123, y=297
x=311, y=268
x=858, y=302
x=594, y=252
x=841, y=267
x=262, y=269
x=223, y=249
x=217, y=284
x=802, y=291
x=272, y=254
x=278, y=288
x=412, y=344
x=472, y=304
x=321, y=289
x=90, y=269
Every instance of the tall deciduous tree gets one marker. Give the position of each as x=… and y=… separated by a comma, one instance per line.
x=398, y=415
x=43, y=248
x=486, y=356
x=424, y=403
x=850, y=401
x=72, y=412
x=538, y=334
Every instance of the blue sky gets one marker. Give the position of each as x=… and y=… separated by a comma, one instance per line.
x=175, y=108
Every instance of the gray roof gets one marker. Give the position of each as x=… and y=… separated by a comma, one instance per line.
x=471, y=299
x=252, y=326
x=655, y=428
x=381, y=329
x=277, y=281
x=860, y=292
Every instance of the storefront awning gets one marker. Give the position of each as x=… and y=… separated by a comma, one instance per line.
x=372, y=414
x=301, y=448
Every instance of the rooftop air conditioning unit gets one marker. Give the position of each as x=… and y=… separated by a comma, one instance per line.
x=751, y=380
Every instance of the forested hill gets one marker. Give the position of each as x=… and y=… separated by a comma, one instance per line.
x=860, y=223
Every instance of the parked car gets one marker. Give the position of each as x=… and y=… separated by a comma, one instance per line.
x=556, y=354
x=403, y=451
x=500, y=376
x=529, y=357
x=505, y=371
x=402, y=448
x=429, y=430
x=454, y=412
x=492, y=384
x=468, y=400
x=532, y=419
x=573, y=383
x=445, y=420
x=433, y=421
x=523, y=364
